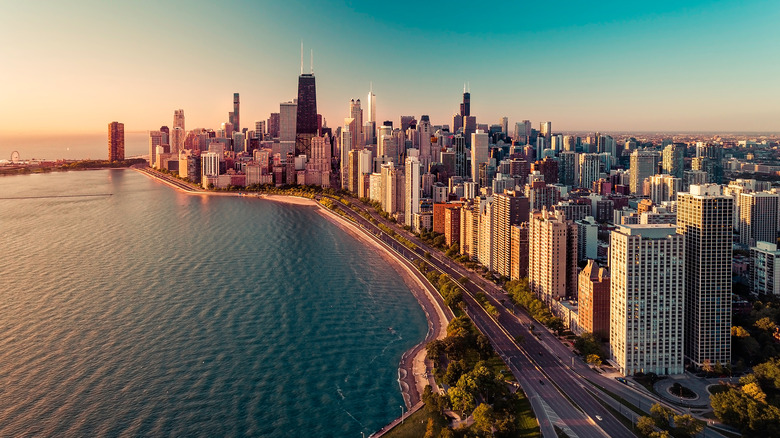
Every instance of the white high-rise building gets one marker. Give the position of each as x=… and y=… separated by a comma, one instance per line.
x=758, y=217
x=480, y=152
x=646, y=299
x=346, y=146
x=589, y=170
x=356, y=112
x=413, y=189
x=371, y=104
x=704, y=218
x=643, y=165
x=663, y=188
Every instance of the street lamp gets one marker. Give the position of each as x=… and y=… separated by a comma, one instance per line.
x=402, y=414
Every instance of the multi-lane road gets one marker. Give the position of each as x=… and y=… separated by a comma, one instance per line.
x=560, y=397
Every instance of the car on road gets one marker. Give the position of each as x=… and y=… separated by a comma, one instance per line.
x=598, y=417
x=541, y=382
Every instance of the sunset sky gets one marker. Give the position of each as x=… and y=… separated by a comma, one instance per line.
x=72, y=67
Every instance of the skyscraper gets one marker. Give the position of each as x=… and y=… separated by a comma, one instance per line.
x=465, y=107
x=413, y=189
x=287, y=121
x=178, y=119
x=155, y=139
x=371, y=104
x=116, y=141
x=674, y=160
x=704, y=218
x=356, y=112
x=646, y=299
x=479, y=152
x=306, y=117
x=236, y=117
x=545, y=130
x=643, y=165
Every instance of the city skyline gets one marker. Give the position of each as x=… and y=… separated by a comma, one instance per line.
x=596, y=67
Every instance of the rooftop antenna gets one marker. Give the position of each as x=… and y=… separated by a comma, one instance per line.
x=464, y=87
x=301, y=56
x=371, y=87
x=311, y=62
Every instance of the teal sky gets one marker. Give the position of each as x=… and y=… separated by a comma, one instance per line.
x=610, y=65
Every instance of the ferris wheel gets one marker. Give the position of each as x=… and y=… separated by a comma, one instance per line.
x=15, y=157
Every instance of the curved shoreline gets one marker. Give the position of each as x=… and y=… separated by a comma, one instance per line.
x=414, y=371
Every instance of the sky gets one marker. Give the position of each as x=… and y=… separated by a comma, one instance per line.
x=73, y=67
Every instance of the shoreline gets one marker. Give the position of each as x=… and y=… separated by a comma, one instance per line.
x=414, y=371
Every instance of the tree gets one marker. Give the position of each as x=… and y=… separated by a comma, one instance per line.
x=430, y=429
x=461, y=400
x=454, y=371
x=769, y=373
x=686, y=425
x=739, y=332
x=765, y=323
x=483, y=419
x=754, y=391
x=593, y=360
x=556, y=324
x=645, y=425
x=661, y=415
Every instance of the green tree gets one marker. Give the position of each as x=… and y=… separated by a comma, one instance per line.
x=765, y=323
x=739, y=332
x=593, y=360
x=461, y=400
x=768, y=373
x=483, y=419
x=556, y=324
x=430, y=429
x=645, y=425
x=661, y=415
x=686, y=425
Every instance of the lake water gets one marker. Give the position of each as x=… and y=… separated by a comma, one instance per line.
x=152, y=312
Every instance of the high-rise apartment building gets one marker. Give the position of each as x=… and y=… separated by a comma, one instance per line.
x=646, y=300
x=589, y=170
x=509, y=209
x=663, y=188
x=459, y=148
x=346, y=147
x=116, y=141
x=593, y=299
x=758, y=217
x=704, y=219
x=413, y=189
x=306, y=114
x=552, y=259
x=519, y=252
x=765, y=269
x=643, y=165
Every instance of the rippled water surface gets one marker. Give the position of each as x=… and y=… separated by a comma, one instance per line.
x=151, y=312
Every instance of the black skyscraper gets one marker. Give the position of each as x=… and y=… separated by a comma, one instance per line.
x=465, y=107
x=306, y=124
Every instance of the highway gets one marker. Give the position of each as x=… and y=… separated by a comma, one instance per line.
x=559, y=396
